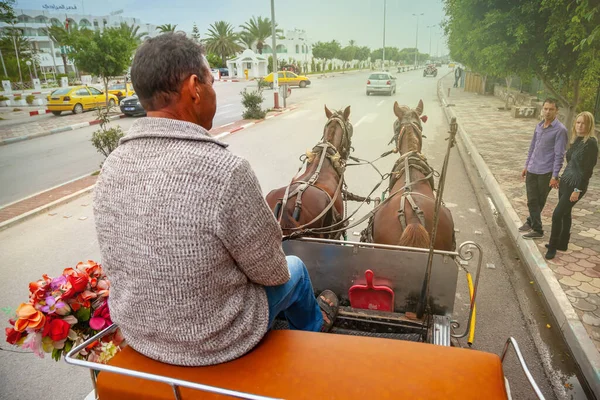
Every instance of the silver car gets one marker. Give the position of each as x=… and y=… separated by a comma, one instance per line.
x=381, y=82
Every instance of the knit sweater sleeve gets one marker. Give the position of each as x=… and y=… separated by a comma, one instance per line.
x=590, y=157
x=249, y=230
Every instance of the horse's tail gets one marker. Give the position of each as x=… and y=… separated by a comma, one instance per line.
x=415, y=235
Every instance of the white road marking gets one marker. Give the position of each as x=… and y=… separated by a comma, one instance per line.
x=360, y=121
x=226, y=105
x=380, y=103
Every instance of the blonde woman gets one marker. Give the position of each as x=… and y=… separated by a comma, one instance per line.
x=581, y=160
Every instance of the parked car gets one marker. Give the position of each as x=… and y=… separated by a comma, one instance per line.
x=224, y=71
x=131, y=106
x=430, y=70
x=381, y=82
x=78, y=99
x=289, y=78
x=121, y=90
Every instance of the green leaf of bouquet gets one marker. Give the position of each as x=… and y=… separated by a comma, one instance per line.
x=8, y=311
x=56, y=354
x=68, y=346
x=83, y=314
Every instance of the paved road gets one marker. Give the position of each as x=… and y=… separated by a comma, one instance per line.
x=35, y=165
x=506, y=304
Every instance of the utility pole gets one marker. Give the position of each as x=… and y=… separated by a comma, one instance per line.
x=274, y=43
x=417, y=38
x=430, y=26
x=383, y=61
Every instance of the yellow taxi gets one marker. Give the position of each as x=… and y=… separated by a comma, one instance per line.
x=289, y=78
x=78, y=99
x=121, y=90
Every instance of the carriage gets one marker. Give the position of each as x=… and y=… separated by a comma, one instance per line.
x=396, y=334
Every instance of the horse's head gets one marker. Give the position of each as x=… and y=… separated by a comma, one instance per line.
x=408, y=131
x=338, y=131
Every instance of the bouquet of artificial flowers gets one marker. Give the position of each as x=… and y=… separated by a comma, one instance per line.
x=65, y=311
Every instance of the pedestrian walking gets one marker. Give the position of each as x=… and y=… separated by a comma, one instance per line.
x=457, y=75
x=581, y=160
x=544, y=162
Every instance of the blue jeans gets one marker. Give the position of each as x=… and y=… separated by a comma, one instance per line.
x=295, y=299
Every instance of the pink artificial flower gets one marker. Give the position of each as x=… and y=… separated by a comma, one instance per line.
x=34, y=342
x=101, y=318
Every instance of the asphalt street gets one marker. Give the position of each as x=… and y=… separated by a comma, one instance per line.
x=507, y=306
x=38, y=164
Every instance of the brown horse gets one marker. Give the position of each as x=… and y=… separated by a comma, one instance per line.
x=406, y=218
x=314, y=198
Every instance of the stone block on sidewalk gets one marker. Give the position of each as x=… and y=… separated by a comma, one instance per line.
x=524, y=112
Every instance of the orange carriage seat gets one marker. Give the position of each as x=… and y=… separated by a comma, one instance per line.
x=308, y=365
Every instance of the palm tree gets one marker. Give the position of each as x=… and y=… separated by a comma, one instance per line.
x=246, y=39
x=352, y=43
x=222, y=40
x=131, y=33
x=166, y=28
x=64, y=37
x=259, y=29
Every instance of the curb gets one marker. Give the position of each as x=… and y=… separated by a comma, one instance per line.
x=248, y=125
x=39, y=112
x=58, y=130
x=574, y=333
x=30, y=214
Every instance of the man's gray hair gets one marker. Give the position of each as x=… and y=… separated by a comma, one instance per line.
x=160, y=66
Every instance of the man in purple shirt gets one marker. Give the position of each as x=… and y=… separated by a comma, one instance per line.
x=544, y=161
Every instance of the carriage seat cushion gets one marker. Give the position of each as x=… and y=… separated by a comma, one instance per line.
x=308, y=365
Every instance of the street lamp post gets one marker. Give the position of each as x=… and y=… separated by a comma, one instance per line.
x=29, y=66
x=417, y=38
x=429, y=27
x=383, y=61
x=274, y=43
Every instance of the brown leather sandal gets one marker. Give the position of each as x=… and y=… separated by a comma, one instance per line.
x=329, y=304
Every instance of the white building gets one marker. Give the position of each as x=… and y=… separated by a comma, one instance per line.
x=296, y=47
x=33, y=22
x=256, y=65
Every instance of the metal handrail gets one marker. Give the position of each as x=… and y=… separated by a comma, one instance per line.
x=174, y=383
x=532, y=382
x=466, y=254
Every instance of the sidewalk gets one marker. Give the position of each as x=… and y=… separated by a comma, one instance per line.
x=28, y=127
x=497, y=143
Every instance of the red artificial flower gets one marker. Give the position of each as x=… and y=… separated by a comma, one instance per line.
x=77, y=282
x=13, y=336
x=46, y=330
x=59, y=329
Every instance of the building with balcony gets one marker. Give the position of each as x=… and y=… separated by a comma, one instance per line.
x=295, y=47
x=33, y=23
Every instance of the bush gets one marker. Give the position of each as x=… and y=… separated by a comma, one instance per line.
x=105, y=140
x=263, y=84
x=18, y=98
x=30, y=99
x=252, y=102
x=3, y=98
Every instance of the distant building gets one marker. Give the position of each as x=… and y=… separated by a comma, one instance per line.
x=33, y=22
x=296, y=47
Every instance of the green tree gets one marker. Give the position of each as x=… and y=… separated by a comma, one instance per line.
x=214, y=60
x=246, y=39
x=132, y=33
x=347, y=54
x=166, y=28
x=104, y=54
x=14, y=45
x=326, y=50
x=195, y=33
x=7, y=13
x=363, y=53
x=258, y=30
x=552, y=39
x=222, y=40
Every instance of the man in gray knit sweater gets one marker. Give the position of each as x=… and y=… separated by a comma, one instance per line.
x=192, y=251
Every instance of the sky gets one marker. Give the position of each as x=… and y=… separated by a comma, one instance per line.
x=323, y=20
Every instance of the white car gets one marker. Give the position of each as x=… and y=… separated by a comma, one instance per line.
x=381, y=82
